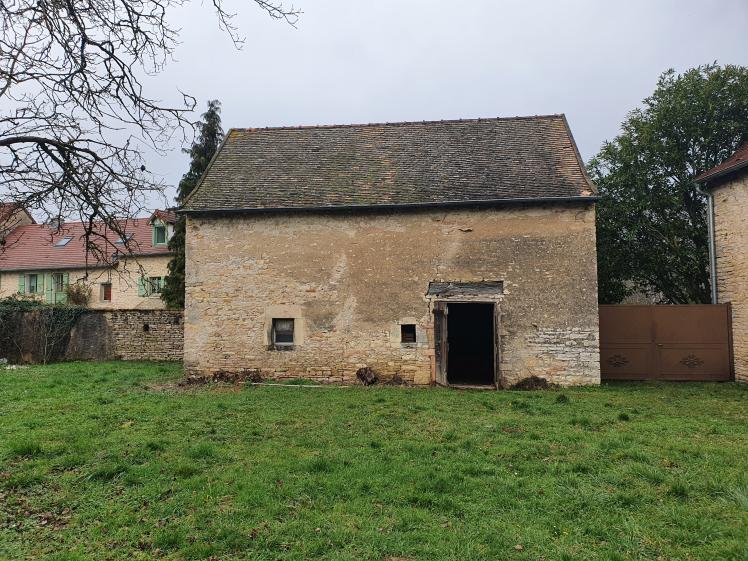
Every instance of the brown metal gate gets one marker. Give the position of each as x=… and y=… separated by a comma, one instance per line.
x=688, y=342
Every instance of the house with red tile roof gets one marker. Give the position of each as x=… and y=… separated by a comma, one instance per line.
x=124, y=270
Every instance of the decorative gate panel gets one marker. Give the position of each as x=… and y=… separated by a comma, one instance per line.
x=690, y=342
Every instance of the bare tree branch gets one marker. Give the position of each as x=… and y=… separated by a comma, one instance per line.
x=75, y=120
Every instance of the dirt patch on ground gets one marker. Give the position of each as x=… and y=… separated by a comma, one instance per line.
x=533, y=383
x=182, y=386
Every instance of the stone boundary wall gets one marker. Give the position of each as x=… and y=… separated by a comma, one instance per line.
x=147, y=335
x=155, y=335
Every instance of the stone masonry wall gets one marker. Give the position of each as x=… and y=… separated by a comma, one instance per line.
x=349, y=282
x=731, y=237
x=147, y=334
x=155, y=335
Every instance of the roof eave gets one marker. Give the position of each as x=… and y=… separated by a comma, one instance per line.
x=395, y=206
x=706, y=179
x=152, y=254
x=60, y=268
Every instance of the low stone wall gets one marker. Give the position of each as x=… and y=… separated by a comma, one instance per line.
x=102, y=335
x=147, y=335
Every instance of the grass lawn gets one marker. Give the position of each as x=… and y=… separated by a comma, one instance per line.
x=97, y=464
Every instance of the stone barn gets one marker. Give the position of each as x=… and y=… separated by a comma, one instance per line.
x=449, y=252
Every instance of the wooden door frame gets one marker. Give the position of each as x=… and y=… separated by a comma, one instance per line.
x=440, y=342
x=441, y=313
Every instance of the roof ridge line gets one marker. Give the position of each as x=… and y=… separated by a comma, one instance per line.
x=398, y=123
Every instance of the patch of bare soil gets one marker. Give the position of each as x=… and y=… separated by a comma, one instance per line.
x=533, y=383
x=183, y=386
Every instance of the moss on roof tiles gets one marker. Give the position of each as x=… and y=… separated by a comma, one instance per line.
x=394, y=163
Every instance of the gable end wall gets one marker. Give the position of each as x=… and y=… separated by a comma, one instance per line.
x=350, y=280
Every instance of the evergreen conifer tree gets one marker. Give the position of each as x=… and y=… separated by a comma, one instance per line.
x=209, y=137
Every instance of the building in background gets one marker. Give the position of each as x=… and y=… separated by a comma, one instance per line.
x=727, y=185
x=12, y=215
x=43, y=260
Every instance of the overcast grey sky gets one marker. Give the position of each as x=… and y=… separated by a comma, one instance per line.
x=356, y=61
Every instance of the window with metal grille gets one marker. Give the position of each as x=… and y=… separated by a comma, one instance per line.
x=283, y=331
x=59, y=282
x=156, y=284
x=408, y=333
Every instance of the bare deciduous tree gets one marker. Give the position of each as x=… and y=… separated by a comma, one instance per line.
x=75, y=120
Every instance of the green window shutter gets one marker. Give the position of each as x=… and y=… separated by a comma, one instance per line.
x=141, y=286
x=49, y=288
x=63, y=296
x=21, y=284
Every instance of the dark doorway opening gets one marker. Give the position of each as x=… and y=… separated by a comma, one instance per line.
x=470, y=338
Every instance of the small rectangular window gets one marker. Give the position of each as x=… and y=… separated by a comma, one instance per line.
x=63, y=242
x=32, y=284
x=106, y=292
x=156, y=284
x=283, y=331
x=408, y=333
x=159, y=235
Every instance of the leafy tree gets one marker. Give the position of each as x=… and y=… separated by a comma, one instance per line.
x=651, y=218
x=76, y=119
x=201, y=153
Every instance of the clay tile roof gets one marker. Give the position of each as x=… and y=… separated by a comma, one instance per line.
x=33, y=247
x=437, y=162
x=737, y=161
x=168, y=216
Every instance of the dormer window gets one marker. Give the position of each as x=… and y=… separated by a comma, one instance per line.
x=159, y=234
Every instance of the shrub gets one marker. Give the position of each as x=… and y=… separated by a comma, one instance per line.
x=47, y=329
x=78, y=294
